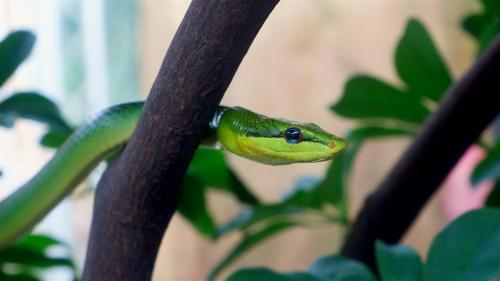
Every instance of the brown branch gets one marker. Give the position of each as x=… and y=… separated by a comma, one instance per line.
x=465, y=112
x=139, y=192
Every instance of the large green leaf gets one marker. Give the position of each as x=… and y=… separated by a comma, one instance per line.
x=489, y=167
x=33, y=106
x=264, y=274
x=337, y=268
x=419, y=63
x=249, y=241
x=366, y=97
x=398, y=262
x=210, y=167
x=467, y=249
x=14, y=49
x=193, y=206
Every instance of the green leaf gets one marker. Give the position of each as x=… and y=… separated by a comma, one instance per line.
x=14, y=49
x=494, y=197
x=249, y=241
x=491, y=6
x=488, y=168
x=305, y=193
x=398, y=262
x=32, y=258
x=366, y=97
x=29, y=255
x=337, y=268
x=210, y=167
x=475, y=24
x=419, y=63
x=54, y=138
x=193, y=206
x=361, y=134
x=32, y=106
x=489, y=34
x=254, y=274
x=332, y=187
x=18, y=277
x=482, y=26
x=253, y=215
x=467, y=249
x=38, y=242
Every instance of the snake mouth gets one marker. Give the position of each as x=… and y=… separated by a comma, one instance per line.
x=337, y=145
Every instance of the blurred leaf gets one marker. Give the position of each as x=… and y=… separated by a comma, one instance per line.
x=368, y=132
x=337, y=268
x=494, y=197
x=32, y=258
x=398, y=262
x=467, y=249
x=491, y=6
x=489, y=34
x=482, y=26
x=475, y=24
x=210, y=167
x=305, y=193
x=14, y=49
x=54, y=138
x=38, y=242
x=32, y=251
x=249, y=241
x=256, y=274
x=489, y=167
x=18, y=277
x=332, y=187
x=33, y=106
x=419, y=63
x=367, y=97
x=193, y=206
x=253, y=215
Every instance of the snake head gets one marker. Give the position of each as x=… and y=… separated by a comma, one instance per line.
x=275, y=141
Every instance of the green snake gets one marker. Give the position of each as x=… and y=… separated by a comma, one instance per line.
x=253, y=136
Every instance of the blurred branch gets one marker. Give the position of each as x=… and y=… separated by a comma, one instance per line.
x=139, y=192
x=466, y=111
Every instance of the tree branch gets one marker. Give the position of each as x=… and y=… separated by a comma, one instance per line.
x=139, y=192
x=465, y=112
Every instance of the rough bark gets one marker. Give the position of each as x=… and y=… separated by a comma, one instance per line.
x=139, y=192
x=469, y=107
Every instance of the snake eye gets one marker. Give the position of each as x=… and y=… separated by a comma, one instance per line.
x=293, y=135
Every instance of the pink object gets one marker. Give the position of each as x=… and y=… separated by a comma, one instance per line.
x=457, y=195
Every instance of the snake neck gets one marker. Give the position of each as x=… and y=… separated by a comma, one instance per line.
x=210, y=138
x=214, y=123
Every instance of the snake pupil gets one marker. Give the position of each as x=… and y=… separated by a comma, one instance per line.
x=293, y=135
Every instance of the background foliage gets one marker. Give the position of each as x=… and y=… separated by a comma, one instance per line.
x=381, y=110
